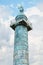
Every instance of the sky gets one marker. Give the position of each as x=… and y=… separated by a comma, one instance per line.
x=34, y=12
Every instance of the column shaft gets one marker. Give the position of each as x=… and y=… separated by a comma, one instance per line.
x=21, y=46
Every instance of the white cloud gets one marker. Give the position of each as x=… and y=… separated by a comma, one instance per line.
x=5, y=15
x=33, y=11
x=35, y=37
x=11, y=41
x=40, y=6
x=4, y=11
x=6, y=50
x=3, y=49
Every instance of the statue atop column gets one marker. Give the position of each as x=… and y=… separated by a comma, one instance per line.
x=21, y=19
x=21, y=9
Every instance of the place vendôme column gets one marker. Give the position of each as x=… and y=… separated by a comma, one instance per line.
x=21, y=25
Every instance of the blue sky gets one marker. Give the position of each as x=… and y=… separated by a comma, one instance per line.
x=8, y=2
x=34, y=12
x=25, y=3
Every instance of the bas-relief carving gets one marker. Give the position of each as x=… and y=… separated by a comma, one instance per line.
x=21, y=46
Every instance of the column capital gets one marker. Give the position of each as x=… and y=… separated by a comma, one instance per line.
x=21, y=19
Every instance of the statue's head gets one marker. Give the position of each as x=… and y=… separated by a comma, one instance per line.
x=20, y=7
